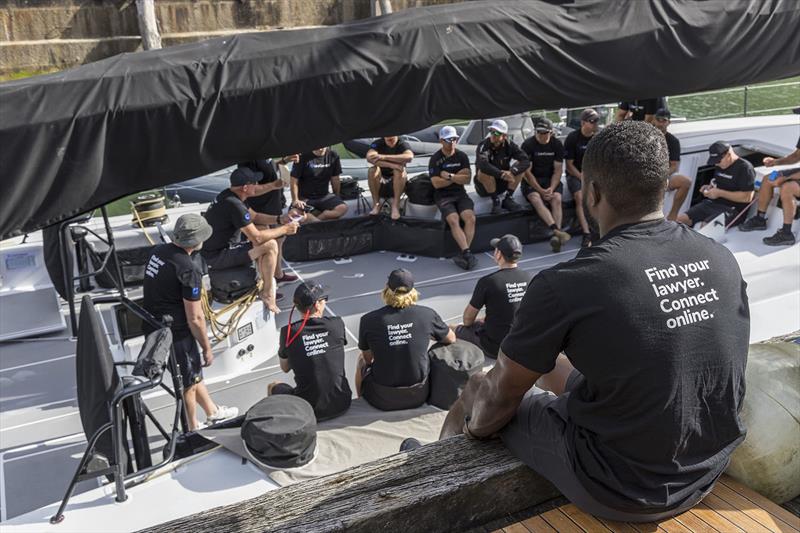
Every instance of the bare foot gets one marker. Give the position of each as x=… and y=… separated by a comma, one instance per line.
x=395, y=213
x=376, y=209
x=269, y=302
x=672, y=216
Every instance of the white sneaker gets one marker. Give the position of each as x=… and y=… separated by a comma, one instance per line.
x=223, y=413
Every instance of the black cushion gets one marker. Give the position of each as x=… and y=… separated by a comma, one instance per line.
x=280, y=431
x=451, y=367
x=154, y=354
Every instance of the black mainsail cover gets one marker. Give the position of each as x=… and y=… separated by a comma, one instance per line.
x=75, y=140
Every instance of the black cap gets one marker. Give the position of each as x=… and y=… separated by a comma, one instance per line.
x=308, y=293
x=663, y=112
x=589, y=115
x=401, y=279
x=543, y=124
x=796, y=110
x=509, y=245
x=243, y=176
x=717, y=151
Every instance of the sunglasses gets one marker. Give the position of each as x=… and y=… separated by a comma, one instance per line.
x=592, y=120
x=497, y=133
x=451, y=140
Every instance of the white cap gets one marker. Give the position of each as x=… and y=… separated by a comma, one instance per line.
x=448, y=132
x=499, y=125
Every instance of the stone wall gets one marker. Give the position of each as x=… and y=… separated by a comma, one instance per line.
x=58, y=34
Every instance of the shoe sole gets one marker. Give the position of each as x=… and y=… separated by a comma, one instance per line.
x=555, y=244
x=783, y=243
x=746, y=230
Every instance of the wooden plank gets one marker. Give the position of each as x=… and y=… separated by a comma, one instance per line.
x=586, y=521
x=673, y=526
x=751, y=509
x=694, y=523
x=713, y=519
x=536, y=524
x=734, y=515
x=561, y=522
x=646, y=527
x=515, y=528
x=618, y=527
x=452, y=485
x=766, y=504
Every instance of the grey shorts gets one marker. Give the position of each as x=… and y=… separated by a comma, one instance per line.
x=537, y=437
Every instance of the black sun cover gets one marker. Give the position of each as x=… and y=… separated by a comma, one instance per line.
x=74, y=140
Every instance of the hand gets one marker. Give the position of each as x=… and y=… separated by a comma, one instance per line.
x=445, y=175
x=290, y=228
x=208, y=357
x=299, y=204
x=507, y=175
x=373, y=158
x=768, y=161
x=547, y=194
x=711, y=192
x=297, y=215
x=704, y=188
x=294, y=158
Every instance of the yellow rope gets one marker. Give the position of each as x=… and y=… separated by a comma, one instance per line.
x=221, y=329
x=141, y=225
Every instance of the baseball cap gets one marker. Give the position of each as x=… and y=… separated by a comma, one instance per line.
x=499, y=125
x=717, y=151
x=190, y=230
x=663, y=112
x=448, y=132
x=509, y=245
x=543, y=125
x=243, y=176
x=589, y=114
x=401, y=279
x=308, y=293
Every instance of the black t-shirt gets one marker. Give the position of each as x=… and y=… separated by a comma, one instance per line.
x=493, y=160
x=739, y=176
x=543, y=156
x=398, y=339
x=452, y=164
x=314, y=173
x=655, y=317
x=673, y=147
x=226, y=215
x=170, y=277
x=640, y=108
x=317, y=359
x=575, y=146
x=380, y=146
x=501, y=292
x=272, y=202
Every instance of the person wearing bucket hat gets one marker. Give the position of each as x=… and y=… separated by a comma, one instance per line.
x=574, y=147
x=387, y=176
x=230, y=218
x=730, y=190
x=449, y=171
x=495, y=174
x=173, y=286
x=313, y=348
x=392, y=369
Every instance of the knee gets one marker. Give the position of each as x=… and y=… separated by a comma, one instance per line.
x=535, y=198
x=341, y=209
x=683, y=218
x=679, y=181
x=556, y=198
x=468, y=217
x=788, y=192
x=270, y=247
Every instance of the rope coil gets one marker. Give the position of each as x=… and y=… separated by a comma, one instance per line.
x=222, y=329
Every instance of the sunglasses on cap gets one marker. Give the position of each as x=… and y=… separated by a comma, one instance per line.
x=497, y=133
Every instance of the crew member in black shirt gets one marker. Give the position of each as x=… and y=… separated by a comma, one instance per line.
x=500, y=292
x=392, y=369
x=677, y=182
x=230, y=218
x=640, y=109
x=449, y=171
x=729, y=192
x=387, y=175
x=268, y=198
x=313, y=347
x=172, y=286
x=789, y=182
x=495, y=174
x=311, y=176
x=642, y=414
x=574, y=146
x=543, y=180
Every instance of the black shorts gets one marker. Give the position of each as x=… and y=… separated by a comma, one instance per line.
x=543, y=183
x=325, y=203
x=388, y=398
x=235, y=255
x=709, y=209
x=454, y=203
x=282, y=388
x=187, y=355
x=574, y=184
x=500, y=184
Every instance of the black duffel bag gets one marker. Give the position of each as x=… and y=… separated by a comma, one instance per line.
x=419, y=190
x=349, y=188
x=451, y=367
x=230, y=283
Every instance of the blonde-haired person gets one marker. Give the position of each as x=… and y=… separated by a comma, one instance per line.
x=392, y=369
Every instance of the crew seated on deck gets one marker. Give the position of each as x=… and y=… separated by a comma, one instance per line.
x=387, y=176
x=729, y=192
x=789, y=182
x=495, y=175
x=543, y=180
x=229, y=218
x=640, y=109
x=313, y=347
x=574, y=147
x=392, y=369
x=640, y=417
x=677, y=182
x=172, y=286
x=311, y=176
x=449, y=171
x=500, y=292
x=268, y=198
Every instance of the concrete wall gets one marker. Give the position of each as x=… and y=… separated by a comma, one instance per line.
x=58, y=34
